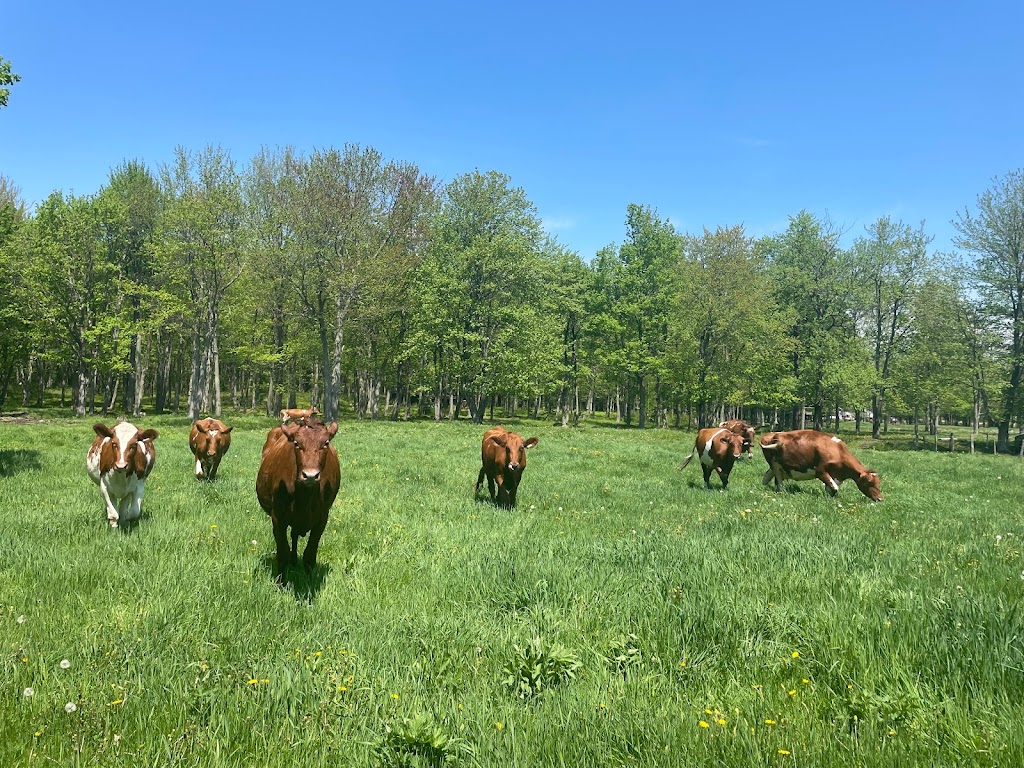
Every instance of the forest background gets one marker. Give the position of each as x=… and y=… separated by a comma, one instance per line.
x=359, y=284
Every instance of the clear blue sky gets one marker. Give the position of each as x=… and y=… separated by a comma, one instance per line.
x=714, y=114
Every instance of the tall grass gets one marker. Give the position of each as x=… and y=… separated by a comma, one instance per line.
x=607, y=620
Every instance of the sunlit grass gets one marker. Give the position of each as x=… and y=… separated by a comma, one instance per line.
x=740, y=628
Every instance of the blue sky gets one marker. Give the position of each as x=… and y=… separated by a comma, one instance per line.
x=713, y=114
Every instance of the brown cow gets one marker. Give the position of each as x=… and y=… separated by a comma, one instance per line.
x=209, y=441
x=503, y=455
x=718, y=449
x=740, y=427
x=119, y=462
x=297, y=414
x=804, y=454
x=296, y=485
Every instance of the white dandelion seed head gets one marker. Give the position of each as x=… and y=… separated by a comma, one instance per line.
x=998, y=538
x=70, y=707
x=21, y=619
x=28, y=692
x=254, y=542
x=65, y=664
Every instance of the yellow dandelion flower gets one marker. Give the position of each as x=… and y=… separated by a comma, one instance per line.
x=116, y=702
x=805, y=681
x=703, y=724
x=769, y=721
x=499, y=725
x=721, y=721
x=892, y=732
x=214, y=527
x=682, y=663
x=795, y=654
x=342, y=689
x=394, y=696
x=783, y=751
x=265, y=680
x=793, y=692
x=708, y=712
x=37, y=734
x=253, y=681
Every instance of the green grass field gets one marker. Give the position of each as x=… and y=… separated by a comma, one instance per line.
x=621, y=615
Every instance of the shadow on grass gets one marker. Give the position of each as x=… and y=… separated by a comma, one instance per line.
x=305, y=586
x=18, y=460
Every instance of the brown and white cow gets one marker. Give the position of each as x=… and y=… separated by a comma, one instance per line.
x=297, y=414
x=503, y=455
x=296, y=485
x=209, y=440
x=805, y=454
x=119, y=462
x=718, y=449
x=740, y=427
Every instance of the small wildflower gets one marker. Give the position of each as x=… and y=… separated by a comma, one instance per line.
x=703, y=724
x=603, y=706
x=28, y=693
x=37, y=734
x=24, y=659
x=116, y=702
x=720, y=721
x=769, y=721
x=65, y=664
x=394, y=696
x=708, y=712
x=213, y=527
x=21, y=619
x=783, y=751
x=342, y=689
x=70, y=707
x=892, y=732
x=805, y=681
x=254, y=542
x=795, y=654
x=253, y=681
x=499, y=725
x=793, y=692
x=683, y=663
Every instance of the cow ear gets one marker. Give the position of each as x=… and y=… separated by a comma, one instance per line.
x=531, y=443
x=198, y=424
x=227, y=429
x=332, y=430
x=148, y=434
x=313, y=411
x=289, y=430
x=102, y=430
x=500, y=440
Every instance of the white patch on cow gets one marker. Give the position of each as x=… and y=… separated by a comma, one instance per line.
x=213, y=432
x=705, y=457
x=105, y=441
x=802, y=474
x=836, y=439
x=832, y=482
x=199, y=468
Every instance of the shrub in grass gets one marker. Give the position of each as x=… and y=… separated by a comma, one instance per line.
x=538, y=666
x=420, y=741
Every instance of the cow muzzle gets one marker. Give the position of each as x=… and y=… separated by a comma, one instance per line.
x=513, y=466
x=310, y=477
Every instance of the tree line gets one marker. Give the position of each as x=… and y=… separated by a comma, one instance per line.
x=360, y=284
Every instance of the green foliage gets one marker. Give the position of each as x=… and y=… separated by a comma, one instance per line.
x=420, y=741
x=538, y=666
x=7, y=77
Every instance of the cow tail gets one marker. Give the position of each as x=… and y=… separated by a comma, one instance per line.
x=689, y=458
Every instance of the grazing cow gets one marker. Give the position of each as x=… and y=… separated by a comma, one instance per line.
x=209, y=441
x=296, y=485
x=718, y=449
x=503, y=454
x=297, y=414
x=740, y=427
x=803, y=454
x=119, y=462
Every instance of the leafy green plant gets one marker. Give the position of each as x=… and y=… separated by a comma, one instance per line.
x=538, y=666
x=624, y=654
x=420, y=741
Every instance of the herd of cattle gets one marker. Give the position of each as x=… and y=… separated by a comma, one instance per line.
x=299, y=474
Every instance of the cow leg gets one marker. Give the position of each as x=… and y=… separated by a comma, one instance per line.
x=295, y=546
x=723, y=475
x=490, y=487
x=112, y=513
x=707, y=476
x=777, y=473
x=135, y=509
x=309, y=555
x=479, y=481
x=214, y=464
x=281, y=540
x=199, y=469
x=828, y=481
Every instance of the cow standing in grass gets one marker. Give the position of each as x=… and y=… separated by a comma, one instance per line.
x=718, y=449
x=503, y=455
x=296, y=485
x=805, y=454
x=297, y=414
x=119, y=462
x=209, y=441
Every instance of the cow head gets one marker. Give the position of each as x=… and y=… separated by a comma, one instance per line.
x=311, y=441
x=870, y=485
x=124, y=448
x=733, y=444
x=515, y=450
x=210, y=436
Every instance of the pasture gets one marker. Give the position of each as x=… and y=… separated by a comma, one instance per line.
x=620, y=615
